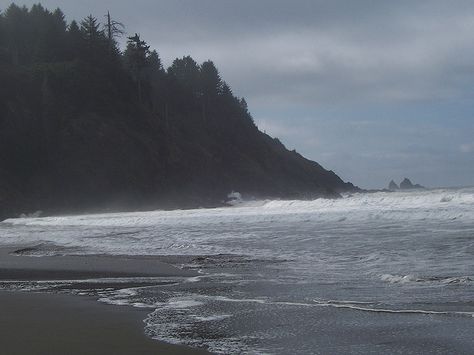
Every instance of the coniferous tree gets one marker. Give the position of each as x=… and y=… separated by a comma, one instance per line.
x=154, y=61
x=90, y=30
x=16, y=29
x=156, y=75
x=74, y=31
x=94, y=39
x=211, y=82
x=244, y=105
x=57, y=34
x=74, y=41
x=226, y=91
x=137, y=59
x=3, y=38
x=47, y=34
x=186, y=71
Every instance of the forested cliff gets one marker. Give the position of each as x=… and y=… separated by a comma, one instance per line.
x=84, y=125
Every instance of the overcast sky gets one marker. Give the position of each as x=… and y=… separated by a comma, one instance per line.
x=374, y=90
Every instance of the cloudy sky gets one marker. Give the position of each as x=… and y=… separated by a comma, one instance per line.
x=373, y=90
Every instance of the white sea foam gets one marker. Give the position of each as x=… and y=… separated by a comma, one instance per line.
x=203, y=231
x=352, y=305
x=102, y=280
x=356, y=307
x=182, y=303
x=184, y=325
x=404, y=279
x=213, y=318
x=398, y=279
x=395, y=205
x=238, y=300
x=392, y=253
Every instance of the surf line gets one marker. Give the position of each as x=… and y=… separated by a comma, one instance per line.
x=353, y=305
x=393, y=311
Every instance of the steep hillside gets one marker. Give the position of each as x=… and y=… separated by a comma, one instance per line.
x=84, y=126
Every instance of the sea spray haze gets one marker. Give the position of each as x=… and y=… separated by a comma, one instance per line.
x=368, y=273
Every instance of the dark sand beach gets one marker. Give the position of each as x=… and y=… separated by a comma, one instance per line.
x=33, y=323
x=46, y=323
x=14, y=265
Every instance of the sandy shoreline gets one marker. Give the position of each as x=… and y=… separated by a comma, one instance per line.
x=14, y=266
x=33, y=323
x=40, y=323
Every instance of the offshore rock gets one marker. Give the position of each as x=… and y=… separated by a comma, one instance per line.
x=393, y=186
x=406, y=184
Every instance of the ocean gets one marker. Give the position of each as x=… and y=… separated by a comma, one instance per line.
x=383, y=272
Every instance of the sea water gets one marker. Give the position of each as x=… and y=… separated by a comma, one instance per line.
x=385, y=272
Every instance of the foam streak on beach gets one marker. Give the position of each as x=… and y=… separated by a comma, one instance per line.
x=368, y=273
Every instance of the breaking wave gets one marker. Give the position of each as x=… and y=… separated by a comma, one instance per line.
x=424, y=204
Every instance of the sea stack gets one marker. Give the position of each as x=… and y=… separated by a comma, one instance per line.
x=393, y=186
x=406, y=184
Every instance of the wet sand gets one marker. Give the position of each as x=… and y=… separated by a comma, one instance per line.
x=32, y=323
x=15, y=266
x=40, y=323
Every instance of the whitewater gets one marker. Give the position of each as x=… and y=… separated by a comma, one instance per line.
x=366, y=273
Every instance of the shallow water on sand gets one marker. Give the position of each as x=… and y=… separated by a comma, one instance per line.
x=369, y=273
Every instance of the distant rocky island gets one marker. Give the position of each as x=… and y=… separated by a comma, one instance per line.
x=406, y=184
x=85, y=126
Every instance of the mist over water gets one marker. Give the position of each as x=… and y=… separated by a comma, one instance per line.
x=367, y=273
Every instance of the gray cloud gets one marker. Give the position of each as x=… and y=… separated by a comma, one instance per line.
x=311, y=51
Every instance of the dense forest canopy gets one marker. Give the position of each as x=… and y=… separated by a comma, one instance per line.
x=80, y=117
x=41, y=41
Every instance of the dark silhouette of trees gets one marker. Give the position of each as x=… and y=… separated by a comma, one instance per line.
x=211, y=86
x=82, y=121
x=210, y=79
x=3, y=38
x=17, y=32
x=85, y=58
x=91, y=32
x=95, y=41
x=157, y=83
x=32, y=36
x=187, y=73
x=137, y=58
x=74, y=41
